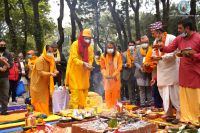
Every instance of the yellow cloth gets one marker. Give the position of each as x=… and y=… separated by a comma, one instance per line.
x=41, y=83
x=32, y=60
x=111, y=67
x=149, y=64
x=130, y=58
x=50, y=118
x=15, y=116
x=98, y=61
x=77, y=76
x=39, y=87
x=31, y=63
x=87, y=33
x=58, y=55
x=52, y=68
x=143, y=52
x=93, y=100
x=78, y=98
x=189, y=104
x=92, y=94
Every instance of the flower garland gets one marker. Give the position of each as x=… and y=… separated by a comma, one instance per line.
x=143, y=52
x=163, y=42
x=130, y=58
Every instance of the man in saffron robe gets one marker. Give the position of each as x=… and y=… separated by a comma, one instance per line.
x=78, y=69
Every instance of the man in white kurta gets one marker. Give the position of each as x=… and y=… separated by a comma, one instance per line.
x=167, y=72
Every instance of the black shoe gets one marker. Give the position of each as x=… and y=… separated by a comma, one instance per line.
x=4, y=113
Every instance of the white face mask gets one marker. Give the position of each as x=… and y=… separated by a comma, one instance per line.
x=87, y=40
x=97, y=57
x=157, y=39
x=144, y=45
x=184, y=34
x=50, y=54
x=110, y=50
x=131, y=48
x=138, y=46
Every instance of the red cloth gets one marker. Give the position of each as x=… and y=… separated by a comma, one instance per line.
x=189, y=69
x=14, y=72
x=83, y=48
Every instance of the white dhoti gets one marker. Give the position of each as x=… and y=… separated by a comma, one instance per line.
x=170, y=96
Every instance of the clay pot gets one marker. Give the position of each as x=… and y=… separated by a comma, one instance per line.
x=153, y=116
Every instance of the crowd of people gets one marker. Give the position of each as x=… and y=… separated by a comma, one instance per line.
x=156, y=75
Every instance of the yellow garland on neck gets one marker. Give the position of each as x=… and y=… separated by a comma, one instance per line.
x=143, y=52
x=163, y=42
x=130, y=58
x=97, y=61
x=32, y=60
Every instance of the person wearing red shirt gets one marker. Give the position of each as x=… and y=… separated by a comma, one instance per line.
x=189, y=70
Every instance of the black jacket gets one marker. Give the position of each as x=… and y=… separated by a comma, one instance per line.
x=7, y=55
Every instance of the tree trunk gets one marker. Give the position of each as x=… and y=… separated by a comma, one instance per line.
x=78, y=21
x=13, y=36
x=38, y=28
x=122, y=27
x=116, y=21
x=165, y=4
x=137, y=19
x=128, y=21
x=74, y=19
x=25, y=28
x=137, y=24
x=72, y=7
x=60, y=28
x=96, y=17
x=158, y=18
x=193, y=13
x=73, y=23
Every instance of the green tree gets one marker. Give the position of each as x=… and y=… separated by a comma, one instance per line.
x=90, y=13
x=22, y=16
x=135, y=5
x=9, y=22
x=60, y=28
x=74, y=18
